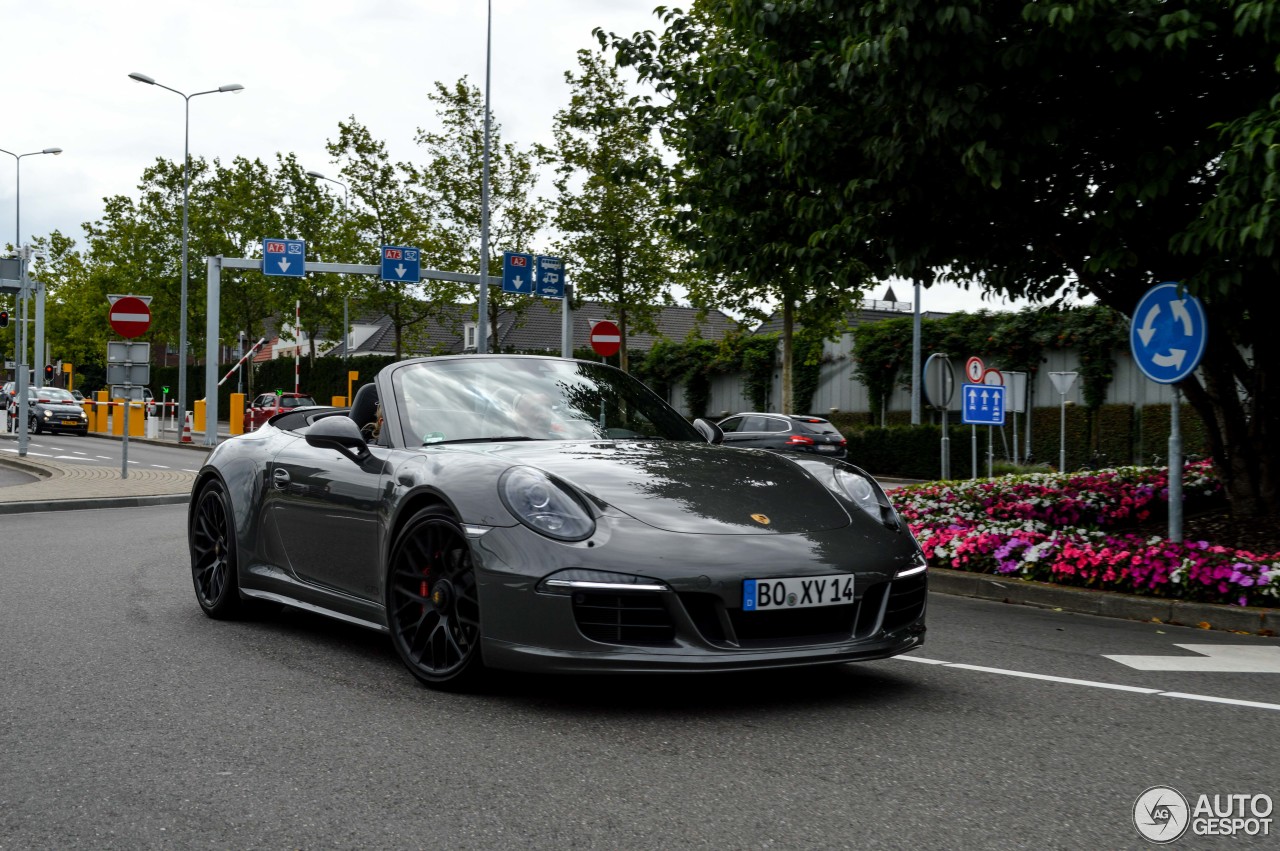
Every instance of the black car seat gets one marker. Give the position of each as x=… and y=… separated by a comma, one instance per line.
x=364, y=409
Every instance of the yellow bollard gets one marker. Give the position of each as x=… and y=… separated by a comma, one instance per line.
x=101, y=411
x=137, y=420
x=117, y=417
x=338, y=401
x=197, y=422
x=237, y=413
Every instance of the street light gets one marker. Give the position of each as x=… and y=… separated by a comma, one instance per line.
x=186, y=185
x=20, y=348
x=346, y=328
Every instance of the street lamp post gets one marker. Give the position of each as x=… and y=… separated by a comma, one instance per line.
x=186, y=185
x=20, y=348
x=346, y=326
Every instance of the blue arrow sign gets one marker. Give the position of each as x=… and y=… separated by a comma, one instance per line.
x=550, y=277
x=1168, y=333
x=983, y=404
x=517, y=273
x=285, y=258
x=401, y=263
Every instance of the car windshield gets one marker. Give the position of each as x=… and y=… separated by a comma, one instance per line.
x=502, y=398
x=53, y=394
x=818, y=427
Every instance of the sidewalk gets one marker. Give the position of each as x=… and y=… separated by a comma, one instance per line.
x=63, y=485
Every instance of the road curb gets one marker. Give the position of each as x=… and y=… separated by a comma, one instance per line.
x=93, y=502
x=1109, y=604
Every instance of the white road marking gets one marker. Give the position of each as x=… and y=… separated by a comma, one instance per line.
x=189, y=471
x=1214, y=658
x=1230, y=701
x=73, y=458
x=103, y=457
x=160, y=466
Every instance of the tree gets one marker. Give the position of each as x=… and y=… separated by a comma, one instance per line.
x=385, y=211
x=741, y=212
x=449, y=184
x=609, y=176
x=1038, y=149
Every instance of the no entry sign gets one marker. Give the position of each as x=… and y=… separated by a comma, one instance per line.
x=129, y=316
x=606, y=339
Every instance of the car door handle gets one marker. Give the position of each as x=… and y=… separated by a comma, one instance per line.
x=280, y=478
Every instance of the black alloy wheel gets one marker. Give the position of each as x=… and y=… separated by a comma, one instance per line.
x=213, y=554
x=433, y=605
x=34, y=424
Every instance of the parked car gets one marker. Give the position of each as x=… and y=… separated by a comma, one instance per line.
x=438, y=511
x=267, y=405
x=10, y=393
x=784, y=433
x=56, y=410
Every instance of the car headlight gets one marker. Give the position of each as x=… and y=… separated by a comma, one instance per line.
x=48, y=414
x=545, y=505
x=867, y=494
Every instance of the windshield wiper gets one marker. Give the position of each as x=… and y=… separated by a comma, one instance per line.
x=503, y=439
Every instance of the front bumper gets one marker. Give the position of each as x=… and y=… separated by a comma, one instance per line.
x=696, y=622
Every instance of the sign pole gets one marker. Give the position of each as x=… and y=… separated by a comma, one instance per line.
x=946, y=449
x=1175, y=468
x=124, y=444
x=975, y=451
x=1062, y=437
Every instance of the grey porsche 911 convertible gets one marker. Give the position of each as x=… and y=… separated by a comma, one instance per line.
x=552, y=515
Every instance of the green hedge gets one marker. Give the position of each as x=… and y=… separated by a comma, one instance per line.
x=1121, y=434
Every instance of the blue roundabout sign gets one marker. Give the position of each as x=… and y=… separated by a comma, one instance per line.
x=1168, y=333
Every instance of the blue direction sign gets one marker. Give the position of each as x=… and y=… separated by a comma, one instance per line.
x=517, y=272
x=550, y=277
x=1168, y=333
x=284, y=257
x=401, y=263
x=983, y=404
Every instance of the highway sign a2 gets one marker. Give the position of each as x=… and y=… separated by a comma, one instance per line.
x=284, y=257
x=401, y=263
x=517, y=273
x=1168, y=333
x=983, y=404
x=129, y=316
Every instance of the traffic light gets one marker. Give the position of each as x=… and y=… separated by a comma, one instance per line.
x=48, y=373
x=4, y=319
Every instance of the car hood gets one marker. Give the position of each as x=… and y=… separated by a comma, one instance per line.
x=688, y=487
x=61, y=407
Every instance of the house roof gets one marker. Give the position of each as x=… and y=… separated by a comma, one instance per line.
x=538, y=328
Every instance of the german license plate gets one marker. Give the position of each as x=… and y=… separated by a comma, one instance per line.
x=826, y=447
x=802, y=592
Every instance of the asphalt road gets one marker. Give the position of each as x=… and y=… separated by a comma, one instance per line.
x=130, y=720
x=85, y=449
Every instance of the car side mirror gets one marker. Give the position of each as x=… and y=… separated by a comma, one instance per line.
x=340, y=433
x=709, y=430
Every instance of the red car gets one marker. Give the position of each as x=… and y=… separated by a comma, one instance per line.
x=267, y=405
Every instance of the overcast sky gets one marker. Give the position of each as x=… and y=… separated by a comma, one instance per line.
x=304, y=65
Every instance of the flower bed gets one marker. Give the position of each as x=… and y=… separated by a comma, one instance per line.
x=1078, y=529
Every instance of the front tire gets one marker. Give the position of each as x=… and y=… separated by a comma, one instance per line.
x=433, y=606
x=33, y=424
x=213, y=554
